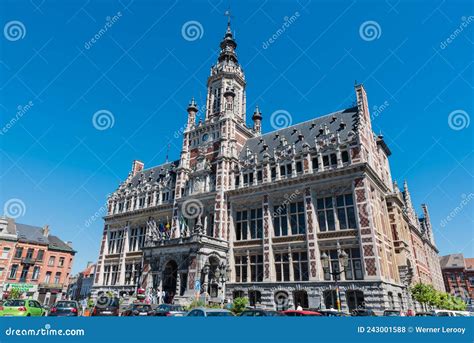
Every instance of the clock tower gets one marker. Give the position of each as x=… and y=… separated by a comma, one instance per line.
x=211, y=146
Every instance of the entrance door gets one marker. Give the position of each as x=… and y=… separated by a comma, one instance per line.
x=170, y=275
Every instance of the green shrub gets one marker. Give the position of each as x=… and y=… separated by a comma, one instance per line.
x=239, y=305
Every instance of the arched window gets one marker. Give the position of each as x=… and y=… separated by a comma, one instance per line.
x=391, y=301
x=400, y=300
x=330, y=299
x=355, y=300
x=301, y=298
x=238, y=294
x=255, y=298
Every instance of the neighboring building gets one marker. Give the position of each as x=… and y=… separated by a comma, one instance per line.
x=458, y=275
x=82, y=286
x=39, y=263
x=264, y=209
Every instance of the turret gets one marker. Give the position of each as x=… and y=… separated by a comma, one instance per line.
x=192, y=110
x=257, y=121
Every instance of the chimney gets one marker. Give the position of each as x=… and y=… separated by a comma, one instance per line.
x=3, y=224
x=46, y=230
x=137, y=167
x=69, y=243
x=89, y=263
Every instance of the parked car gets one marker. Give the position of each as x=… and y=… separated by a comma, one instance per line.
x=393, y=313
x=363, y=313
x=424, y=314
x=106, y=306
x=297, y=313
x=169, y=310
x=260, y=313
x=138, y=309
x=333, y=313
x=21, y=308
x=209, y=312
x=64, y=309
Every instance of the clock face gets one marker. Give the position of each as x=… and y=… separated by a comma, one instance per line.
x=205, y=137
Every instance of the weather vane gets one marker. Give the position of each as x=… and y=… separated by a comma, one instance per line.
x=229, y=15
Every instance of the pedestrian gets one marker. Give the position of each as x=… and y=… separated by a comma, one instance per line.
x=299, y=308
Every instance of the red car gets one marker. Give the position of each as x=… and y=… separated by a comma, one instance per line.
x=296, y=313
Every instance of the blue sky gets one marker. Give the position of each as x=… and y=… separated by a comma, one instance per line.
x=143, y=70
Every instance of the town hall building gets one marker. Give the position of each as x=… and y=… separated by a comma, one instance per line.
x=307, y=214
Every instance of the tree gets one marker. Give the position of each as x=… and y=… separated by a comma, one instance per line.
x=15, y=293
x=424, y=294
x=239, y=304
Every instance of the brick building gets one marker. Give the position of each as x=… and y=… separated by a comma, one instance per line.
x=458, y=275
x=34, y=261
x=264, y=208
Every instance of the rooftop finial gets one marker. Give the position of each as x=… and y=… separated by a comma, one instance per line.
x=228, y=15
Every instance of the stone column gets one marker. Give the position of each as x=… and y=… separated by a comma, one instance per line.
x=314, y=269
x=268, y=258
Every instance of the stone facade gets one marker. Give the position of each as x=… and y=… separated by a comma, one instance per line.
x=263, y=208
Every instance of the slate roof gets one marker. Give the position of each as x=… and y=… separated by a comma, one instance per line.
x=452, y=261
x=309, y=129
x=34, y=234
x=153, y=174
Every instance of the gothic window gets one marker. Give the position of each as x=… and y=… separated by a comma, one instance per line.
x=238, y=294
x=297, y=219
x=120, y=206
x=249, y=224
x=300, y=266
x=241, y=225
x=282, y=267
x=333, y=265
x=256, y=268
x=106, y=275
x=237, y=181
x=354, y=268
x=240, y=268
x=115, y=242
x=355, y=300
x=280, y=221
x=141, y=202
x=330, y=299
x=299, y=167
x=137, y=238
x=345, y=212
x=255, y=297
x=259, y=176
x=326, y=214
x=315, y=163
x=256, y=224
x=273, y=173
x=114, y=275
x=345, y=156
x=286, y=170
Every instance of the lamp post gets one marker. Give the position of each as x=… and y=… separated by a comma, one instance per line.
x=221, y=275
x=344, y=261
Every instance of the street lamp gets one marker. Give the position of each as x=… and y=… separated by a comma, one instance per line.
x=344, y=261
x=221, y=275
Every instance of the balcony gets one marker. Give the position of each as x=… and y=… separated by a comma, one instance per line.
x=28, y=261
